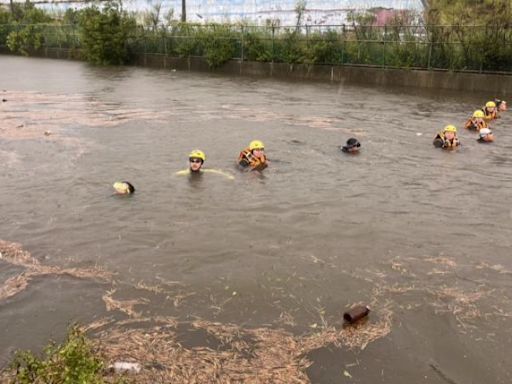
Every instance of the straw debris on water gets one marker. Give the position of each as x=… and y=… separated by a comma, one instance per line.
x=14, y=254
x=260, y=355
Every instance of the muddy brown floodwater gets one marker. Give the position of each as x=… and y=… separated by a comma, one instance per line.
x=422, y=236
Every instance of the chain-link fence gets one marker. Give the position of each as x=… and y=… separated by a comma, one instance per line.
x=461, y=48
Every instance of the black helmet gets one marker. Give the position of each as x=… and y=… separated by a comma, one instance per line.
x=351, y=143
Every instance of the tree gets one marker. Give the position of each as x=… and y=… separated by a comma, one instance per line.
x=105, y=33
x=29, y=32
x=152, y=17
x=300, y=8
x=169, y=17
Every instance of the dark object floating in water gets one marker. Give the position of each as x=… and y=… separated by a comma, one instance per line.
x=352, y=146
x=356, y=313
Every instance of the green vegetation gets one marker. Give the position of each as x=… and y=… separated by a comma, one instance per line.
x=72, y=362
x=453, y=35
x=104, y=33
x=487, y=44
x=26, y=31
x=219, y=44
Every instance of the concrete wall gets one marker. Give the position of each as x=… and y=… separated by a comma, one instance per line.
x=495, y=84
x=460, y=81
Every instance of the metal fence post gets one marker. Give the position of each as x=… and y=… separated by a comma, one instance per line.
x=273, y=44
x=429, y=55
x=241, y=49
x=77, y=37
x=384, y=48
x=307, y=36
x=242, y=45
x=164, y=39
x=145, y=48
x=343, y=46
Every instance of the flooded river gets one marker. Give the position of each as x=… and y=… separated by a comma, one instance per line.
x=421, y=235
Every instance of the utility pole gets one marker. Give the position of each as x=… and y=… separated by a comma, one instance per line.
x=183, y=11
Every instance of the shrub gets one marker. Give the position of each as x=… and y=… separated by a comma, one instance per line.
x=104, y=33
x=186, y=40
x=72, y=362
x=219, y=44
x=256, y=47
x=325, y=48
x=290, y=47
x=26, y=32
x=25, y=39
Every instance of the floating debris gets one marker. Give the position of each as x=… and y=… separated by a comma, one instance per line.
x=124, y=366
x=125, y=306
x=260, y=355
x=13, y=286
x=356, y=313
x=14, y=254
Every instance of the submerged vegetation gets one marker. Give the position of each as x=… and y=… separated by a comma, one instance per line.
x=453, y=35
x=73, y=361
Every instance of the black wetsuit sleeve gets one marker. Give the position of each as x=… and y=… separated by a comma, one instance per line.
x=244, y=162
x=438, y=142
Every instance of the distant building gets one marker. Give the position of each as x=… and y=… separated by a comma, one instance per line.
x=387, y=16
x=318, y=12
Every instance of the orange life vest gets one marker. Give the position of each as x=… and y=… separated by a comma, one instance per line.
x=448, y=144
x=470, y=124
x=490, y=115
x=247, y=159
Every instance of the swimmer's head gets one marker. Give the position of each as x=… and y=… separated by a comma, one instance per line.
x=490, y=106
x=450, y=131
x=478, y=114
x=352, y=145
x=123, y=188
x=501, y=105
x=196, y=159
x=485, y=134
x=257, y=148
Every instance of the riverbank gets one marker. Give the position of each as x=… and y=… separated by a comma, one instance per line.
x=497, y=85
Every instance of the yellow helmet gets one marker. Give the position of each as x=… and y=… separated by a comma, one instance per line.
x=197, y=154
x=479, y=114
x=124, y=187
x=450, y=128
x=490, y=104
x=256, y=144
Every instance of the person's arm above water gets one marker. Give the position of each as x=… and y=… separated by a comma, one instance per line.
x=438, y=142
x=469, y=124
x=219, y=172
x=184, y=172
x=243, y=159
x=260, y=166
